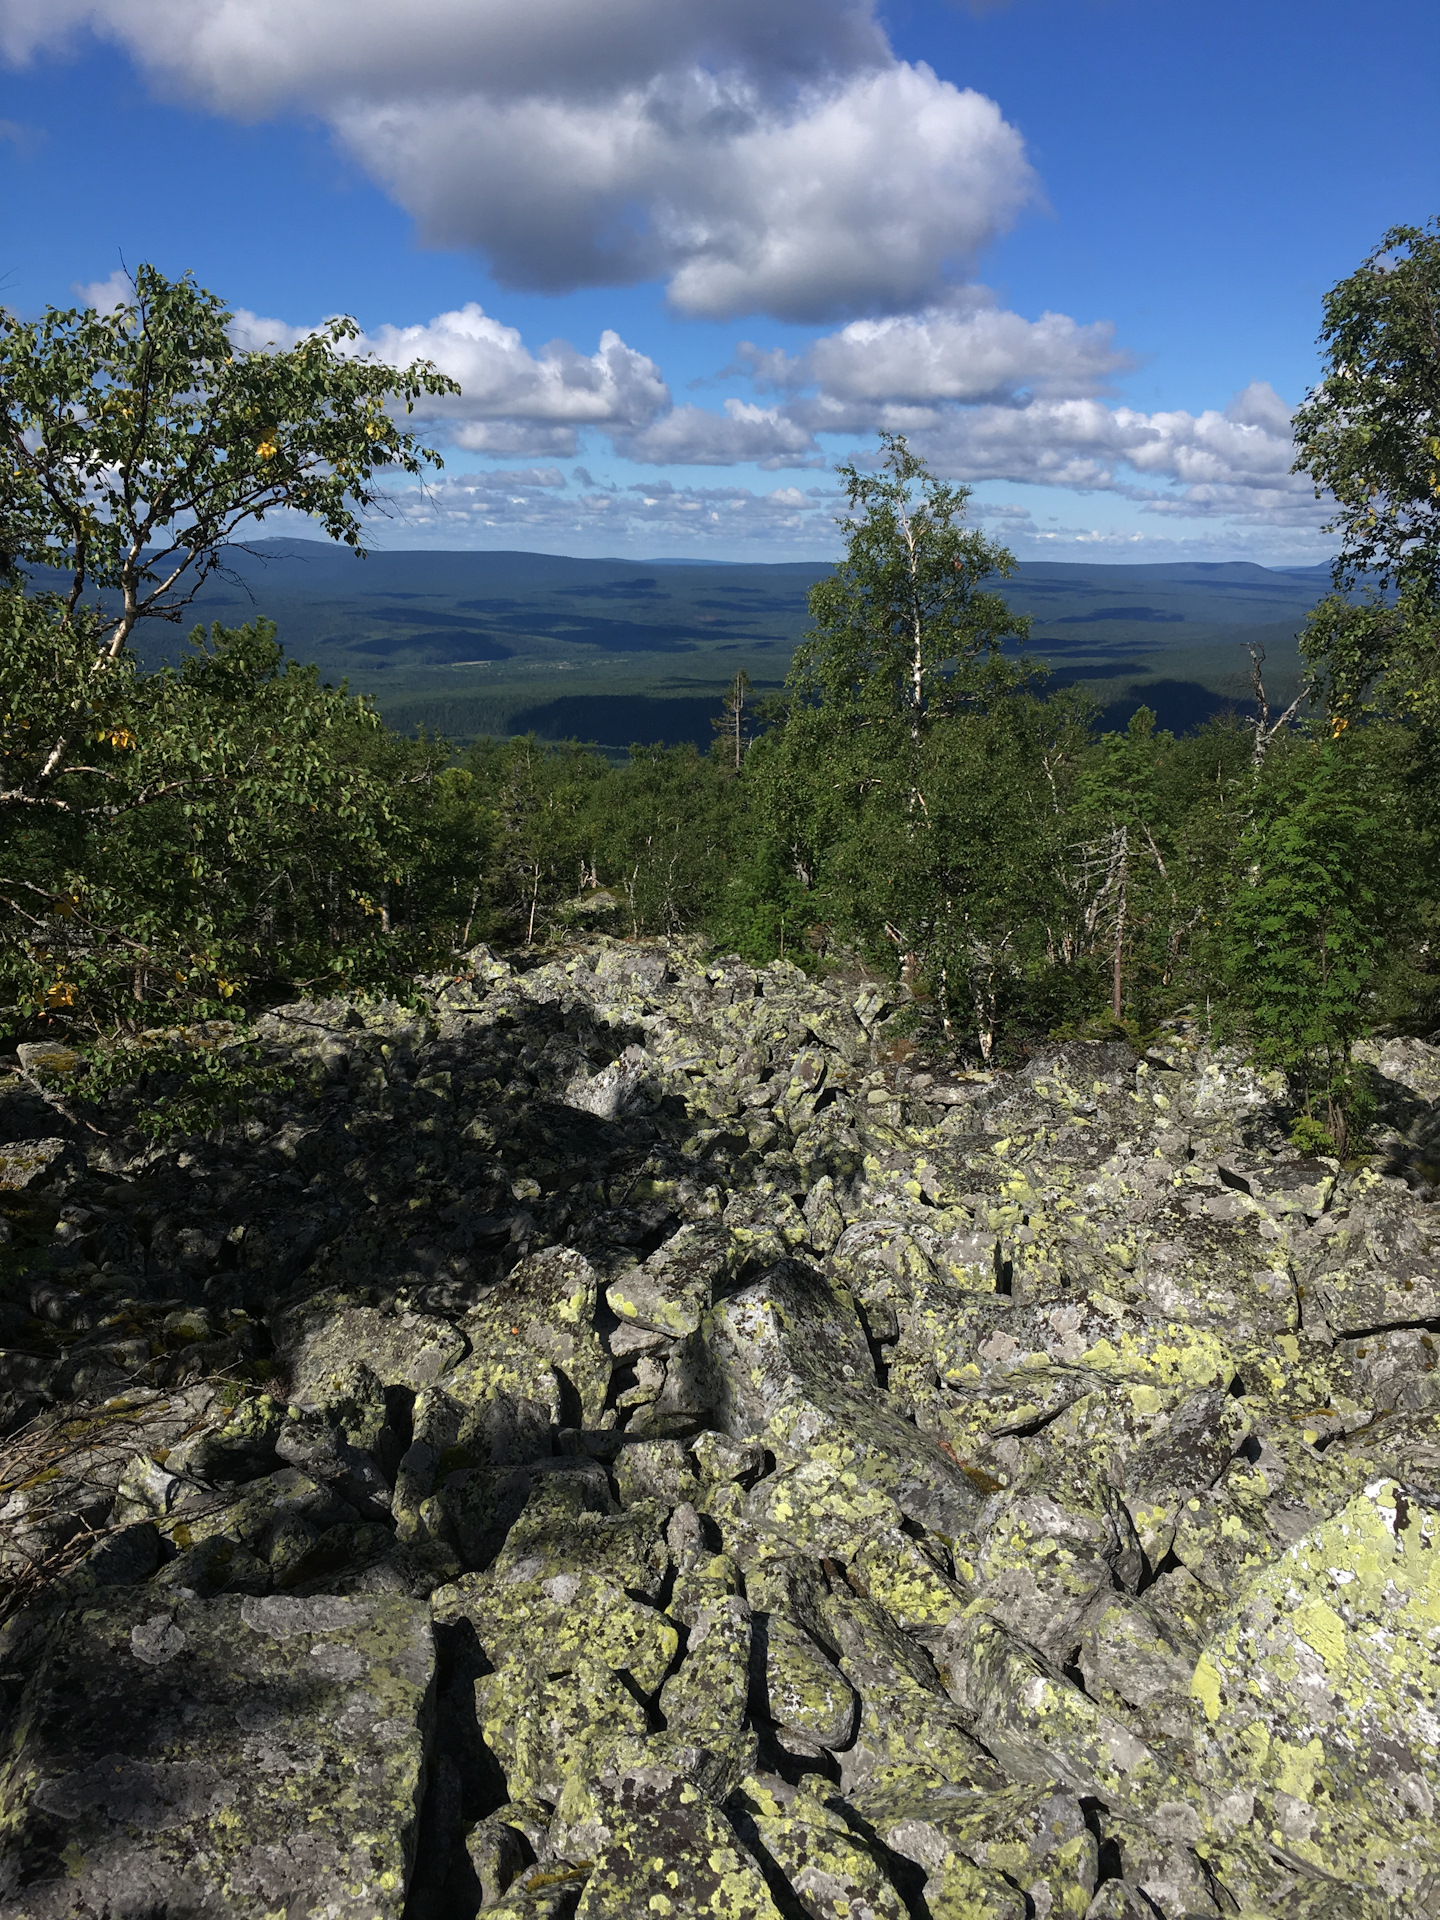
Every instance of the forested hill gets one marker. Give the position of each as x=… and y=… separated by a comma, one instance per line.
x=618, y=650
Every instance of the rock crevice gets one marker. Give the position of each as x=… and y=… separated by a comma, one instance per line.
x=617, y=1439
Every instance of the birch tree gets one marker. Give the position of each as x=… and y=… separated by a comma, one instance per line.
x=136, y=446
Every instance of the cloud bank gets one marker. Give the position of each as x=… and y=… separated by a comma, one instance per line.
x=982, y=394
x=539, y=509
x=653, y=518
x=758, y=155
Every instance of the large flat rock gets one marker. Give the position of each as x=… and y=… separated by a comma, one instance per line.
x=236, y=1756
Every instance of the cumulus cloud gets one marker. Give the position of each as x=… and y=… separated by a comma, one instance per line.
x=1231, y=463
x=986, y=395
x=118, y=290
x=983, y=394
x=512, y=401
x=976, y=353
x=744, y=434
x=760, y=157
x=934, y=376
x=515, y=401
x=254, y=332
x=852, y=197
x=249, y=56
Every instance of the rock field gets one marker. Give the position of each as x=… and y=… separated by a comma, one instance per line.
x=617, y=1441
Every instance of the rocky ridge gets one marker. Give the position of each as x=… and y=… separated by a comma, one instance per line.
x=617, y=1440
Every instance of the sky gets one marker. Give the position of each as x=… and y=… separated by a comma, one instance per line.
x=684, y=256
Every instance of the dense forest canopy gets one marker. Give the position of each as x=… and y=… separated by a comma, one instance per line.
x=180, y=844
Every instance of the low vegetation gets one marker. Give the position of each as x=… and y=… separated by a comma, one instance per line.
x=181, y=845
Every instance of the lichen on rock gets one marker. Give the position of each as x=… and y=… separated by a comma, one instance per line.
x=620, y=1440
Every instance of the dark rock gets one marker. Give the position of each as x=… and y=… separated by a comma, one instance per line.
x=195, y=1758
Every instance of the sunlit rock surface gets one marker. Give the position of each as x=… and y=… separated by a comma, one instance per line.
x=619, y=1440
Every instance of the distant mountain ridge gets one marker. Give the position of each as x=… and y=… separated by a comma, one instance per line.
x=471, y=642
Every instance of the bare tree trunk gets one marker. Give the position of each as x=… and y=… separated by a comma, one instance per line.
x=1264, y=732
x=984, y=1002
x=1122, y=886
x=534, y=901
x=470, y=918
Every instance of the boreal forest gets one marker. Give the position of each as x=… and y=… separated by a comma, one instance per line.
x=185, y=843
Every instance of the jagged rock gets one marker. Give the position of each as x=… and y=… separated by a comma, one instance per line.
x=657, y=1816
x=651, y=1815
x=805, y=1693
x=543, y=1893
x=706, y=1699
x=1031, y=1467
x=1172, y=1877
x=906, y=1719
x=530, y=1338
x=402, y=1349
x=544, y=1724
x=831, y=1871
x=614, y=1090
x=1332, y=1651
x=498, y=1852
x=1120, y=1900
x=925, y=1820
x=1041, y=1563
x=1379, y=1268
x=1037, y=1840
x=1134, y=1651
x=658, y=1470
x=24, y=1161
x=795, y=1373
x=672, y=1292
x=1041, y=1727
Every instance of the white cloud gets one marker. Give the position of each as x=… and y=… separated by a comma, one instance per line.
x=744, y=434
x=106, y=295
x=1231, y=463
x=512, y=400
x=772, y=157
x=253, y=332
x=978, y=352
x=933, y=376
x=513, y=479
x=856, y=196
x=248, y=57
x=24, y=139
x=479, y=509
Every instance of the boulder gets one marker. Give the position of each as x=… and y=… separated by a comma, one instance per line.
x=225, y=1756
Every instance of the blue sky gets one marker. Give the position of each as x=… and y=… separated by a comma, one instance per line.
x=1075, y=248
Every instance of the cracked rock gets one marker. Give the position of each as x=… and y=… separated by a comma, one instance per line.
x=618, y=1440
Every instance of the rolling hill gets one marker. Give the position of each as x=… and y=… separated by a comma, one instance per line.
x=618, y=650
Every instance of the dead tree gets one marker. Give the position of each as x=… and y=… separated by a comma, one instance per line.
x=1265, y=732
x=732, y=726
